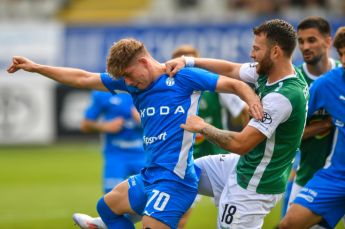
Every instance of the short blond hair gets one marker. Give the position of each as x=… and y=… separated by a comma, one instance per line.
x=185, y=50
x=122, y=53
x=339, y=38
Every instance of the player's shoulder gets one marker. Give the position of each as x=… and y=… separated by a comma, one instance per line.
x=188, y=71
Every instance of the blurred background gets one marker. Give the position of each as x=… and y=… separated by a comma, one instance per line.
x=48, y=168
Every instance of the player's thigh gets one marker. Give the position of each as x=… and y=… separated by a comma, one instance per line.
x=324, y=196
x=117, y=199
x=243, y=209
x=215, y=171
x=299, y=217
x=150, y=223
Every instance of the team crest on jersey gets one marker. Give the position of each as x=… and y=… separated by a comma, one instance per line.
x=267, y=119
x=170, y=81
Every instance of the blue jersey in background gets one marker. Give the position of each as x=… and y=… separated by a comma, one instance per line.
x=122, y=151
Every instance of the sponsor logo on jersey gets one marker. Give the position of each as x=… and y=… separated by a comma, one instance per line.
x=162, y=110
x=170, y=81
x=267, y=119
x=153, y=139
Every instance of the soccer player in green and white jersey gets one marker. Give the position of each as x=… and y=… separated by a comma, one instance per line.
x=314, y=40
x=249, y=182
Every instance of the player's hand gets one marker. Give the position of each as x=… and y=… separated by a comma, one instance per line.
x=255, y=109
x=174, y=65
x=194, y=124
x=113, y=126
x=19, y=62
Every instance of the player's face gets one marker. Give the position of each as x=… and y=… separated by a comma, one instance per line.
x=341, y=53
x=313, y=45
x=261, y=54
x=136, y=75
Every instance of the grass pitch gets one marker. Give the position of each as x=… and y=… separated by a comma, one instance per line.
x=42, y=186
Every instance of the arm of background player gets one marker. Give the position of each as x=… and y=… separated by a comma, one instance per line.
x=228, y=85
x=136, y=115
x=221, y=67
x=238, y=109
x=113, y=126
x=235, y=142
x=316, y=128
x=69, y=76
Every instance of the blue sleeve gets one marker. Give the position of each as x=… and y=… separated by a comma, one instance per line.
x=317, y=95
x=113, y=84
x=94, y=110
x=197, y=79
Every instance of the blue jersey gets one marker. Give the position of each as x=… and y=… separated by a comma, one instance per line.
x=107, y=106
x=328, y=92
x=163, y=107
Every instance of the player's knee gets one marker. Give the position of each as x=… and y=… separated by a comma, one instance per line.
x=286, y=223
x=104, y=211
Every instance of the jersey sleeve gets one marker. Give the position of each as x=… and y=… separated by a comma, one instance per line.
x=277, y=109
x=316, y=96
x=197, y=79
x=112, y=84
x=248, y=72
x=94, y=110
x=232, y=103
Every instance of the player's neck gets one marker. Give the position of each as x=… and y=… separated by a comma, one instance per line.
x=322, y=66
x=158, y=69
x=280, y=70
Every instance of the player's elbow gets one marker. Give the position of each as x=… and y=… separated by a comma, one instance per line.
x=240, y=148
x=84, y=127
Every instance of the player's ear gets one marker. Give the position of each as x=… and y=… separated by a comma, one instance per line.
x=142, y=60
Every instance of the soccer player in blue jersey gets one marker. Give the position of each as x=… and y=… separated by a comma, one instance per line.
x=167, y=186
x=123, y=150
x=322, y=200
x=115, y=117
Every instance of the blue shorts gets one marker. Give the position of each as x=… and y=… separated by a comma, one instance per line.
x=324, y=195
x=164, y=200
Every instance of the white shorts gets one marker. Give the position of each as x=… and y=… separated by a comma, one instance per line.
x=237, y=207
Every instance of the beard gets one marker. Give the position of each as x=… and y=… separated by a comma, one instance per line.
x=265, y=65
x=314, y=60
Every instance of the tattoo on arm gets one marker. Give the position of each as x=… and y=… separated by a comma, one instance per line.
x=219, y=137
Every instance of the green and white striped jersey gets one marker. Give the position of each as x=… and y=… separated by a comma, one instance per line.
x=266, y=168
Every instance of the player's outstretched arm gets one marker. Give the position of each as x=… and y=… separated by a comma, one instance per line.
x=225, y=84
x=235, y=142
x=69, y=76
x=221, y=67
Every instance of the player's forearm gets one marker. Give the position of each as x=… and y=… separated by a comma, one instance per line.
x=68, y=76
x=224, y=139
x=91, y=127
x=316, y=128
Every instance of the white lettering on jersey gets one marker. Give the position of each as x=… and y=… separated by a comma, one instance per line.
x=162, y=110
x=150, y=140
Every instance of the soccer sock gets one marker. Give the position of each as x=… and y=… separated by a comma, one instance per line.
x=112, y=220
x=286, y=197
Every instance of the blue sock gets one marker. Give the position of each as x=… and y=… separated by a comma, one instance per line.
x=112, y=220
x=286, y=198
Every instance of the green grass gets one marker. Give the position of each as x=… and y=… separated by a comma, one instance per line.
x=42, y=186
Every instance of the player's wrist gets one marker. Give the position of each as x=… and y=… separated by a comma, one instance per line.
x=189, y=61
